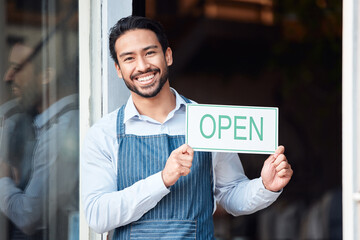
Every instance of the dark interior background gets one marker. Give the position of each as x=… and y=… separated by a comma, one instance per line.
x=284, y=54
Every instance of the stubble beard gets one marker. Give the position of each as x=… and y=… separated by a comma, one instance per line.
x=30, y=99
x=163, y=79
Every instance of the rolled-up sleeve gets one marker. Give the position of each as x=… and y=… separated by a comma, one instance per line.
x=237, y=194
x=105, y=207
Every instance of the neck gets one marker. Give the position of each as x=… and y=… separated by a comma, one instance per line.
x=158, y=107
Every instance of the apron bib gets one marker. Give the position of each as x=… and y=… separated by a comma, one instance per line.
x=186, y=212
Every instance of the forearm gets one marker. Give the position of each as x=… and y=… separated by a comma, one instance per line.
x=245, y=197
x=22, y=209
x=108, y=210
x=234, y=191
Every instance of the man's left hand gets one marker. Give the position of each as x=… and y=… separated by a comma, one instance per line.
x=276, y=172
x=5, y=170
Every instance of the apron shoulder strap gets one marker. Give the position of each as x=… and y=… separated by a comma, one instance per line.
x=69, y=107
x=12, y=111
x=120, y=126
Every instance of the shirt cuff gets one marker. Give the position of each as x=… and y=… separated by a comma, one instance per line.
x=5, y=184
x=158, y=189
x=264, y=193
x=7, y=188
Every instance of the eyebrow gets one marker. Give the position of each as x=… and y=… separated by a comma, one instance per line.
x=144, y=49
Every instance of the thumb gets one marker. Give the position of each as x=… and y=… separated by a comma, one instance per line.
x=279, y=150
x=186, y=149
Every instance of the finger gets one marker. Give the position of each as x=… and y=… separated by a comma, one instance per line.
x=282, y=165
x=279, y=150
x=184, y=171
x=185, y=163
x=270, y=159
x=281, y=158
x=186, y=149
x=285, y=173
x=185, y=157
x=182, y=150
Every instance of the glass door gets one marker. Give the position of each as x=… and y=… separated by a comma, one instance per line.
x=39, y=120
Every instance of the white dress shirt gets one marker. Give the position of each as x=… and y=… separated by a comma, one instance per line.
x=7, y=125
x=26, y=209
x=106, y=208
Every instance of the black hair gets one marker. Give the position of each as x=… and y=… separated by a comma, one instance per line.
x=132, y=23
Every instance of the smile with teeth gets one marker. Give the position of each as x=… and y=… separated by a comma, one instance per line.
x=143, y=79
x=146, y=79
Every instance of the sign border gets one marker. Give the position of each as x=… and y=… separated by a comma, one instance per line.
x=234, y=150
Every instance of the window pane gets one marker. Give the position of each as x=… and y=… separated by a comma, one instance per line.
x=39, y=119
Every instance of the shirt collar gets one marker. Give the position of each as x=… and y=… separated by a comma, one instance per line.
x=8, y=105
x=131, y=112
x=41, y=119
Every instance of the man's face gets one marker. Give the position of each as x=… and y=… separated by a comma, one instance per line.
x=142, y=63
x=22, y=78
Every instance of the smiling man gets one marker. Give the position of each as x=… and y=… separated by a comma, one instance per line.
x=138, y=176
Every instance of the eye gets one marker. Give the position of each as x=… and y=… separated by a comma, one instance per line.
x=128, y=59
x=150, y=53
x=15, y=68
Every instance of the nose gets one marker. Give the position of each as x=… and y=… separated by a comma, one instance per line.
x=142, y=64
x=9, y=75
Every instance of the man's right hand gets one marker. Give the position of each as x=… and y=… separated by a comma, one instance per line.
x=177, y=165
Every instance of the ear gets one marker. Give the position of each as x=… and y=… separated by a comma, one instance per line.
x=48, y=75
x=118, y=70
x=168, y=56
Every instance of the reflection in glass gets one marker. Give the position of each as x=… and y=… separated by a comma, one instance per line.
x=39, y=120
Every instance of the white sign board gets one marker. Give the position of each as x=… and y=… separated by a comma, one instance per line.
x=223, y=128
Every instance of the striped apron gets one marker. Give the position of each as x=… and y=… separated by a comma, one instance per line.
x=186, y=212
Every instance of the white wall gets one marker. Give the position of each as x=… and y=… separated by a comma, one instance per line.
x=351, y=119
